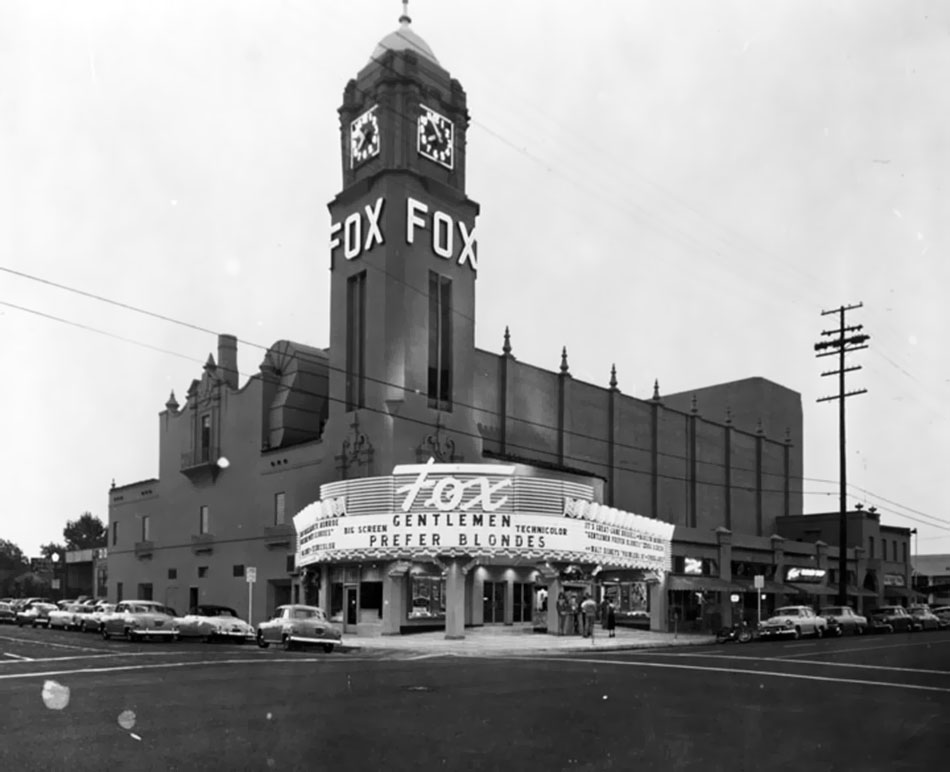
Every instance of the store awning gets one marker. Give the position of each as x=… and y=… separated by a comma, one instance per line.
x=701, y=584
x=770, y=588
x=814, y=589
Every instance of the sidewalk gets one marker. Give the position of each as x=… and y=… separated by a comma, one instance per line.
x=522, y=641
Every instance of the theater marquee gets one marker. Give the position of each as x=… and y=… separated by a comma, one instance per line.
x=479, y=510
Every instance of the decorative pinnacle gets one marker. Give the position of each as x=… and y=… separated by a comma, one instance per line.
x=613, y=376
x=172, y=403
x=404, y=19
x=506, y=348
x=656, y=390
x=564, y=367
x=210, y=365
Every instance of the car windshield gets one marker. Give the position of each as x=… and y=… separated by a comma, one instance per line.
x=835, y=611
x=222, y=612
x=787, y=611
x=304, y=613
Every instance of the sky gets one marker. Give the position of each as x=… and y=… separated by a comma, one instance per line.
x=677, y=188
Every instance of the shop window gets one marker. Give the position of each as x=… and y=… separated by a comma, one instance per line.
x=279, y=508
x=356, y=341
x=427, y=597
x=238, y=569
x=371, y=601
x=336, y=601
x=440, y=341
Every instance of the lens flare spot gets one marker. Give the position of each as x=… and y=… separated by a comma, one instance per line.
x=55, y=695
x=127, y=719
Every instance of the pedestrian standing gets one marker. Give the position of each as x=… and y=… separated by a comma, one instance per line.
x=589, y=610
x=574, y=611
x=610, y=623
x=563, y=609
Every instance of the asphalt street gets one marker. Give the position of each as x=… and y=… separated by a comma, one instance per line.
x=72, y=701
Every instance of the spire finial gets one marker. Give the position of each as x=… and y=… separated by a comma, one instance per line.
x=564, y=367
x=405, y=19
x=506, y=348
x=172, y=403
x=613, y=376
x=656, y=390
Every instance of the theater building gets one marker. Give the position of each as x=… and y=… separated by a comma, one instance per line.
x=532, y=482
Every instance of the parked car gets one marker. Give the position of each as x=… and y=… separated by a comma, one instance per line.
x=892, y=619
x=943, y=614
x=92, y=622
x=215, y=623
x=925, y=617
x=64, y=617
x=35, y=614
x=140, y=619
x=794, y=621
x=298, y=625
x=843, y=619
x=7, y=613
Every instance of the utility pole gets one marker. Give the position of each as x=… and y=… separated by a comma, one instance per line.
x=842, y=341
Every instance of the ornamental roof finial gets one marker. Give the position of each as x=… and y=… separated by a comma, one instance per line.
x=404, y=19
x=506, y=348
x=656, y=390
x=613, y=376
x=564, y=367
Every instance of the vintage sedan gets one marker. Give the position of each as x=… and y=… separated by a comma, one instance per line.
x=297, y=625
x=215, y=623
x=925, y=617
x=7, y=613
x=65, y=617
x=892, y=619
x=943, y=614
x=35, y=614
x=140, y=619
x=793, y=621
x=92, y=622
x=843, y=619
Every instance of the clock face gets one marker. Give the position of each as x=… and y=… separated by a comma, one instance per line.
x=436, y=137
x=364, y=138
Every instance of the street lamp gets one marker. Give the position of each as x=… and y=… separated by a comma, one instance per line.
x=55, y=558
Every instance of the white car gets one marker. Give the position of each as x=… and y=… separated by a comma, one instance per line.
x=794, y=621
x=212, y=623
x=68, y=617
x=92, y=622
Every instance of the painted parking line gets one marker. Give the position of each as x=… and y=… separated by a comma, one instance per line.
x=36, y=642
x=17, y=657
x=904, y=645
x=798, y=645
x=825, y=663
x=757, y=673
x=114, y=655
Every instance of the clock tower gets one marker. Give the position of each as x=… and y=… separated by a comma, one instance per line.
x=403, y=264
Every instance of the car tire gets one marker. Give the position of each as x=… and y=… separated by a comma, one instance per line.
x=260, y=640
x=129, y=635
x=287, y=643
x=104, y=633
x=328, y=647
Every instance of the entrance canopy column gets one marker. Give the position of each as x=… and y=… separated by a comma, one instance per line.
x=455, y=570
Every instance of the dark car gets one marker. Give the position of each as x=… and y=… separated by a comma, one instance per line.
x=843, y=620
x=892, y=619
x=925, y=617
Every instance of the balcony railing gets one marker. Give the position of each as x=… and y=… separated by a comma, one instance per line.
x=144, y=549
x=200, y=460
x=202, y=543
x=278, y=535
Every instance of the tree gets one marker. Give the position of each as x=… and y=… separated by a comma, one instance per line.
x=85, y=533
x=48, y=550
x=11, y=556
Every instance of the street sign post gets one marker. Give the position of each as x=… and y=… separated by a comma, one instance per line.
x=759, y=584
x=250, y=574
